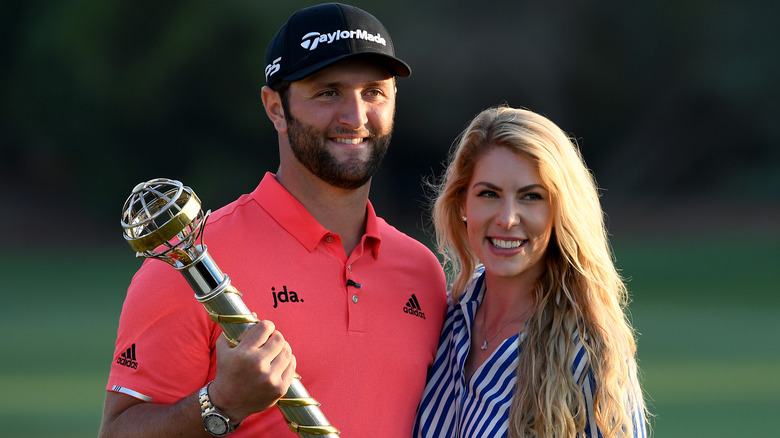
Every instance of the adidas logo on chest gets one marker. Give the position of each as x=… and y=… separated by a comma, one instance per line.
x=412, y=307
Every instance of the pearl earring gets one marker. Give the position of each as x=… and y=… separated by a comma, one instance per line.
x=464, y=218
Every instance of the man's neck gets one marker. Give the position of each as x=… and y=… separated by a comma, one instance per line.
x=340, y=211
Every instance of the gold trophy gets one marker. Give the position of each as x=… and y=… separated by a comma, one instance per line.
x=163, y=219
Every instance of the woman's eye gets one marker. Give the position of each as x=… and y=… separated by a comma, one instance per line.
x=532, y=197
x=487, y=194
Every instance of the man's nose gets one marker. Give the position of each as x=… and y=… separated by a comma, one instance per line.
x=353, y=111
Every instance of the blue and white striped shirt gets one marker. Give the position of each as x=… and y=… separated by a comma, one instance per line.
x=452, y=407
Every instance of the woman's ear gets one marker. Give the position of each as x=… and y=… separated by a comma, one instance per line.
x=272, y=102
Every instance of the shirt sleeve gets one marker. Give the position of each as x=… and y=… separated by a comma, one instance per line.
x=165, y=341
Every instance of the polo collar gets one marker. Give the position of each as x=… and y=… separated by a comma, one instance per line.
x=291, y=215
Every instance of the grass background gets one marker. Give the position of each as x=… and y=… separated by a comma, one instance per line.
x=706, y=311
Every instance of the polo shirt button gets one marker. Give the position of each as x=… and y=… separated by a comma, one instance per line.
x=349, y=268
x=354, y=299
x=329, y=239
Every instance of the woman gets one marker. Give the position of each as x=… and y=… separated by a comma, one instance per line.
x=536, y=340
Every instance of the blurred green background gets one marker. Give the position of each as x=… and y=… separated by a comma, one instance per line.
x=674, y=104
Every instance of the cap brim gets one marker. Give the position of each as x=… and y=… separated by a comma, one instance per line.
x=393, y=64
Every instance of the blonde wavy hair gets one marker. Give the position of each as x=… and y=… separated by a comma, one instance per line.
x=580, y=294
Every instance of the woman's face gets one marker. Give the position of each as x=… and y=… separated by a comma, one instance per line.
x=509, y=215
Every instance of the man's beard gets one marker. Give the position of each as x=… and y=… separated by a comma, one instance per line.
x=310, y=149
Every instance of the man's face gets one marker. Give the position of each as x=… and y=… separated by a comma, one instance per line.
x=340, y=119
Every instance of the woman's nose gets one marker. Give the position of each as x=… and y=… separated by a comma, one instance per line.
x=509, y=215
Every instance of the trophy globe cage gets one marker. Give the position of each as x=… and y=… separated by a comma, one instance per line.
x=163, y=219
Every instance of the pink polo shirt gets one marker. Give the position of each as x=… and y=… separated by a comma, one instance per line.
x=363, y=352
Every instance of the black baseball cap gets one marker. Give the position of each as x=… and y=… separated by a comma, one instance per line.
x=318, y=36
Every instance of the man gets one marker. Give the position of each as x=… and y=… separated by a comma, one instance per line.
x=360, y=303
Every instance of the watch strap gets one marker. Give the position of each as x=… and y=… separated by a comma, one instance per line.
x=207, y=408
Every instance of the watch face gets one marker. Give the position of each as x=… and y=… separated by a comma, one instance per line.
x=215, y=424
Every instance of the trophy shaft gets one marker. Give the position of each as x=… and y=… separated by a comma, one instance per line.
x=203, y=274
x=222, y=301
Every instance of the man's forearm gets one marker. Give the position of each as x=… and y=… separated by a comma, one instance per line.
x=125, y=416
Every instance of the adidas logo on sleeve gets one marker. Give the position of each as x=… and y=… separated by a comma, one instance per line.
x=413, y=307
x=128, y=358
